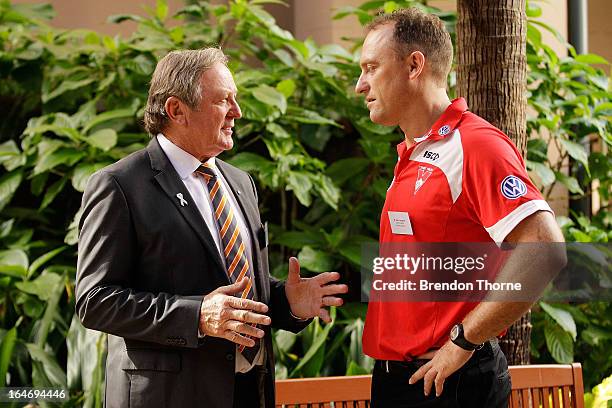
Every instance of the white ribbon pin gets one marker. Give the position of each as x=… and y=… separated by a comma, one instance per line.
x=182, y=201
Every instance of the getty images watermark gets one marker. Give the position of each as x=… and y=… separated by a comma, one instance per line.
x=434, y=272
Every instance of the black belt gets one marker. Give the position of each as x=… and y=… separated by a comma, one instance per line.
x=391, y=366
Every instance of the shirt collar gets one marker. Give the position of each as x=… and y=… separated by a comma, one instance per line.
x=184, y=163
x=445, y=125
x=447, y=122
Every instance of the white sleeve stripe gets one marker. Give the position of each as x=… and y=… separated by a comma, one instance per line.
x=503, y=227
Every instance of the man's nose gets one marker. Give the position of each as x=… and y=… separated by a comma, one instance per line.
x=235, y=111
x=361, y=86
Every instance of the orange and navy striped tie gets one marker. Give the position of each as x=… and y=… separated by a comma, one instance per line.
x=234, y=249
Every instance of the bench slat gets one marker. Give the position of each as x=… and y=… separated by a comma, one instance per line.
x=532, y=386
x=545, y=398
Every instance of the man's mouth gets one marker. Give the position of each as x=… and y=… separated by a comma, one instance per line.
x=369, y=101
x=227, y=129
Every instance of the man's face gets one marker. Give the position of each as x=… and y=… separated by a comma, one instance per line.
x=383, y=80
x=209, y=126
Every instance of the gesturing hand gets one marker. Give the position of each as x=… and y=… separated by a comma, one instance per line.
x=445, y=362
x=223, y=315
x=308, y=296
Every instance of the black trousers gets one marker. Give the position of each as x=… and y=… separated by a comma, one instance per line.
x=483, y=382
x=246, y=389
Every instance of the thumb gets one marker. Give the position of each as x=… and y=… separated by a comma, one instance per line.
x=235, y=287
x=294, y=270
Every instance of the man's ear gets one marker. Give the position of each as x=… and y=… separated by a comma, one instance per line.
x=176, y=110
x=415, y=64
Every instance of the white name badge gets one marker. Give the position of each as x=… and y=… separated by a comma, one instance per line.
x=400, y=223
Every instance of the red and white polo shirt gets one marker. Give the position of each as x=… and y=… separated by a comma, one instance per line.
x=464, y=181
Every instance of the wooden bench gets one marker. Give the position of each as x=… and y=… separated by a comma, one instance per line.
x=533, y=386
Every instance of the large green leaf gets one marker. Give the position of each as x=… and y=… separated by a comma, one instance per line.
x=546, y=175
x=591, y=59
x=278, y=131
x=315, y=260
x=8, y=186
x=270, y=96
x=249, y=161
x=14, y=262
x=576, y=151
x=570, y=182
x=328, y=191
x=10, y=155
x=41, y=260
x=65, y=86
x=108, y=116
x=51, y=367
x=104, y=139
x=559, y=343
x=67, y=156
x=308, y=116
x=285, y=340
x=52, y=192
x=43, y=286
x=83, y=172
x=317, y=343
x=301, y=185
x=83, y=370
x=6, y=352
x=562, y=317
x=286, y=87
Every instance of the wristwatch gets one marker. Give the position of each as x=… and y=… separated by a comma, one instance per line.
x=457, y=337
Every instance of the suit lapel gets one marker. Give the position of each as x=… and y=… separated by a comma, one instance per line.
x=171, y=184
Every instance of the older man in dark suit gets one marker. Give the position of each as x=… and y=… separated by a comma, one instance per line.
x=173, y=256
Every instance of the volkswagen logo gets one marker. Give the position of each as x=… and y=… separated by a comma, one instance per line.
x=513, y=187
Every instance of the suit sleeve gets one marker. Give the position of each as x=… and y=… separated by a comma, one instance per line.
x=280, y=311
x=107, y=257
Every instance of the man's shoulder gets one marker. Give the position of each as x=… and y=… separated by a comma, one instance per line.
x=479, y=136
x=231, y=169
x=474, y=127
x=133, y=164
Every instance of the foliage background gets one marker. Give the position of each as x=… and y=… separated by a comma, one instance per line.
x=73, y=101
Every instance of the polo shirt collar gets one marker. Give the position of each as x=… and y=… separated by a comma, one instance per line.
x=184, y=163
x=445, y=125
x=447, y=122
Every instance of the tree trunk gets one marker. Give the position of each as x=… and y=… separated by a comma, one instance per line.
x=492, y=76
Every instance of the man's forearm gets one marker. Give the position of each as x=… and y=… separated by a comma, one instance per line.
x=489, y=319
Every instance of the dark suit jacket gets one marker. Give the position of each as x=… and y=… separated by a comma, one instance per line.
x=145, y=262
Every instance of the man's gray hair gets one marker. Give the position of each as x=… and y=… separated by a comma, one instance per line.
x=178, y=74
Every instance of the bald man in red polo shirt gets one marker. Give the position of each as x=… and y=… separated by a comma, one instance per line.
x=457, y=179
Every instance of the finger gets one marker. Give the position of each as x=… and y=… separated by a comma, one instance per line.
x=294, y=271
x=439, y=383
x=244, y=329
x=428, y=381
x=333, y=289
x=247, y=304
x=249, y=317
x=238, y=339
x=326, y=277
x=235, y=287
x=419, y=373
x=332, y=301
x=324, y=315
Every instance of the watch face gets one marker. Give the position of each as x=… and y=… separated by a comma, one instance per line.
x=454, y=332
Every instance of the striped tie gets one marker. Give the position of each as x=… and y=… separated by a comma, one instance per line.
x=234, y=250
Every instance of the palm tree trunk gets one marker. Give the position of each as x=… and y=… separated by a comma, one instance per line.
x=492, y=76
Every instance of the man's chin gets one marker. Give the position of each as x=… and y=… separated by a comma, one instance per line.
x=379, y=119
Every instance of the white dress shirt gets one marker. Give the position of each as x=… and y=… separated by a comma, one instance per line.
x=185, y=165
